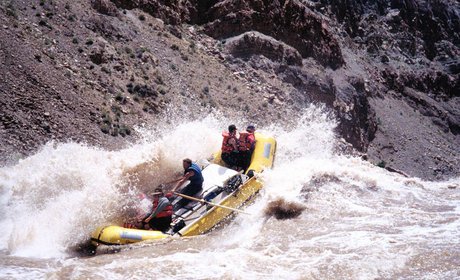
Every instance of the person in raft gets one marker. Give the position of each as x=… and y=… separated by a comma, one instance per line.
x=161, y=216
x=192, y=172
x=230, y=152
x=246, y=145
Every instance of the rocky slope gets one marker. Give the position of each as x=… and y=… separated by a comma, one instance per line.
x=91, y=70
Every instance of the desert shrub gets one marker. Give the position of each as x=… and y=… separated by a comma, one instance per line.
x=124, y=130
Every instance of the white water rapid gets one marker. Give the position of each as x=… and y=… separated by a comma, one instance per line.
x=360, y=222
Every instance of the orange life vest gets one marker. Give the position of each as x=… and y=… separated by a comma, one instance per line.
x=227, y=147
x=246, y=141
x=167, y=211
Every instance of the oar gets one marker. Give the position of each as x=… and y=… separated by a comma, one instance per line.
x=210, y=203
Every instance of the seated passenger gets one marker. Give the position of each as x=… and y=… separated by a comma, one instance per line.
x=230, y=153
x=246, y=145
x=161, y=216
x=192, y=172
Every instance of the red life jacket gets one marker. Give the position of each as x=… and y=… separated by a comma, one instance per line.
x=246, y=141
x=227, y=147
x=167, y=211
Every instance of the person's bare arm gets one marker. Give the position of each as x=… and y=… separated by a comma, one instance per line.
x=182, y=180
x=174, y=181
x=162, y=203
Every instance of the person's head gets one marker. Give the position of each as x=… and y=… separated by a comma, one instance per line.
x=158, y=191
x=186, y=163
x=232, y=128
x=250, y=128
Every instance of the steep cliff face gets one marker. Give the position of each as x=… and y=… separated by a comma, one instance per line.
x=388, y=69
x=288, y=21
x=413, y=54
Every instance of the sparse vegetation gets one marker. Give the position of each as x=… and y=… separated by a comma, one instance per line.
x=105, y=128
x=71, y=17
x=114, y=131
x=43, y=22
x=159, y=79
x=143, y=49
x=120, y=98
x=116, y=110
x=124, y=130
x=106, y=118
x=162, y=90
x=213, y=103
x=141, y=90
x=112, y=126
x=11, y=10
x=106, y=70
x=192, y=47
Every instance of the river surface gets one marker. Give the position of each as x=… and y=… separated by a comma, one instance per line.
x=360, y=221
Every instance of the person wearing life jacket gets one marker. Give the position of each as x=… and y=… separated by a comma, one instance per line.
x=230, y=152
x=161, y=216
x=192, y=172
x=246, y=145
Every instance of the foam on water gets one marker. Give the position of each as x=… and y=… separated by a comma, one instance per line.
x=52, y=200
x=360, y=222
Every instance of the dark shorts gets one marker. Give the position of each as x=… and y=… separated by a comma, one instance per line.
x=231, y=159
x=161, y=224
x=189, y=190
x=245, y=159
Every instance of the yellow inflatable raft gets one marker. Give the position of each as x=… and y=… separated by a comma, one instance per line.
x=222, y=186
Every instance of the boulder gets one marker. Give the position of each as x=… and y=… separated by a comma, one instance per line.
x=255, y=43
x=104, y=7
